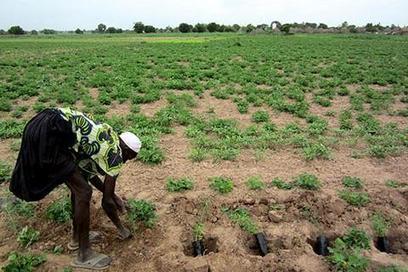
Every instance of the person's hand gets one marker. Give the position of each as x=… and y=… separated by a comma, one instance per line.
x=120, y=203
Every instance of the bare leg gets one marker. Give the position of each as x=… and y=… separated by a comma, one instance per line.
x=82, y=193
x=74, y=224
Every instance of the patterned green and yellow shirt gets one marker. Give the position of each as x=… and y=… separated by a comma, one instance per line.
x=97, y=149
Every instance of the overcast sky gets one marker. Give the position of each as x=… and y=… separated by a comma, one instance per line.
x=86, y=14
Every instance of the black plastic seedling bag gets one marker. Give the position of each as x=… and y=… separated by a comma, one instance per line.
x=198, y=248
x=383, y=244
x=321, y=246
x=262, y=243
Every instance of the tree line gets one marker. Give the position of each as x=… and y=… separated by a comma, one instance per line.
x=140, y=27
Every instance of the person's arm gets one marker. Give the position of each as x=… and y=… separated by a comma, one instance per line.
x=110, y=207
x=98, y=184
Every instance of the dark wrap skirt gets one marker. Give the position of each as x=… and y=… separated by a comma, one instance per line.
x=45, y=160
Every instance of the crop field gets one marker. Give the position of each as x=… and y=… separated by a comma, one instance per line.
x=292, y=136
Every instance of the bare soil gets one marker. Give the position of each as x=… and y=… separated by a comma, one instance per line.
x=303, y=215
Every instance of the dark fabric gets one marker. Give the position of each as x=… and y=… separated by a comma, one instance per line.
x=44, y=160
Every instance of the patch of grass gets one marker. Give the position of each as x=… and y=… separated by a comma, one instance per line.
x=11, y=128
x=242, y=106
x=60, y=211
x=222, y=185
x=21, y=208
x=393, y=268
x=307, y=181
x=5, y=171
x=352, y=182
x=150, y=153
x=281, y=184
x=242, y=217
x=18, y=262
x=260, y=116
x=142, y=211
x=358, y=199
x=179, y=185
x=255, y=183
x=316, y=150
x=380, y=224
x=28, y=236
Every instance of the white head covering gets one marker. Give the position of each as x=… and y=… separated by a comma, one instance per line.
x=131, y=140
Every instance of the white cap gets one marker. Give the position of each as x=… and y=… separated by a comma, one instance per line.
x=131, y=140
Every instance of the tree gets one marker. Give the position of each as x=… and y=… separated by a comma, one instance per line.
x=2, y=32
x=111, y=29
x=78, y=31
x=213, y=27
x=34, y=32
x=236, y=27
x=249, y=28
x=16, y=30
x=119, y=30
x=285, y=28
x=184, y=28
x=47, y=31
x=370, y=28
x=138, y=27
x=149, y=29
x=101, y=28
x=200, y=28
x=322, y=26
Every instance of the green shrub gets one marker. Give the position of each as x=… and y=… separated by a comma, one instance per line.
x=242, y=217
x=260, y=116
x=307, y=181
x=142, y=211
x=242, y=106
x=315, y=150
x=358, y=199
x=346, y=120
x=60, y=210
x=5, y=172
x=222, y=185
x=317, y=127
x=352, y=182
x=150, y=153
x=5, y=105
x=18, y=262
x=255, y=183
x=345, y=259
x=11, y=128
x=356, y=238
x=20, y=208
x=281, y=184
x=380, y=224
x=179, y=185
x=198, y=154
x=28, y=236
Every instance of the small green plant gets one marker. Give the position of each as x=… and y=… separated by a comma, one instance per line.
x=20, y=208
x=352, y=182
x=60, y=210
x=179, y=185
x=222, y=185
x=242, y=217
x=356, y=238
x=260, y=116
x=198, y=154
x=198, y=231
x=142, y=211
x=5, y=172
x=307, y=181
x=281, y=184
x=380, y=224
x=358, y=199
x=18, y=262
x=255, y=183
x=242, y=106
x=393, y=268
x=346, y=259
x=392, y=183
x=28, y=236
x=346, y=120
x=58, y=250
x=316, y=150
